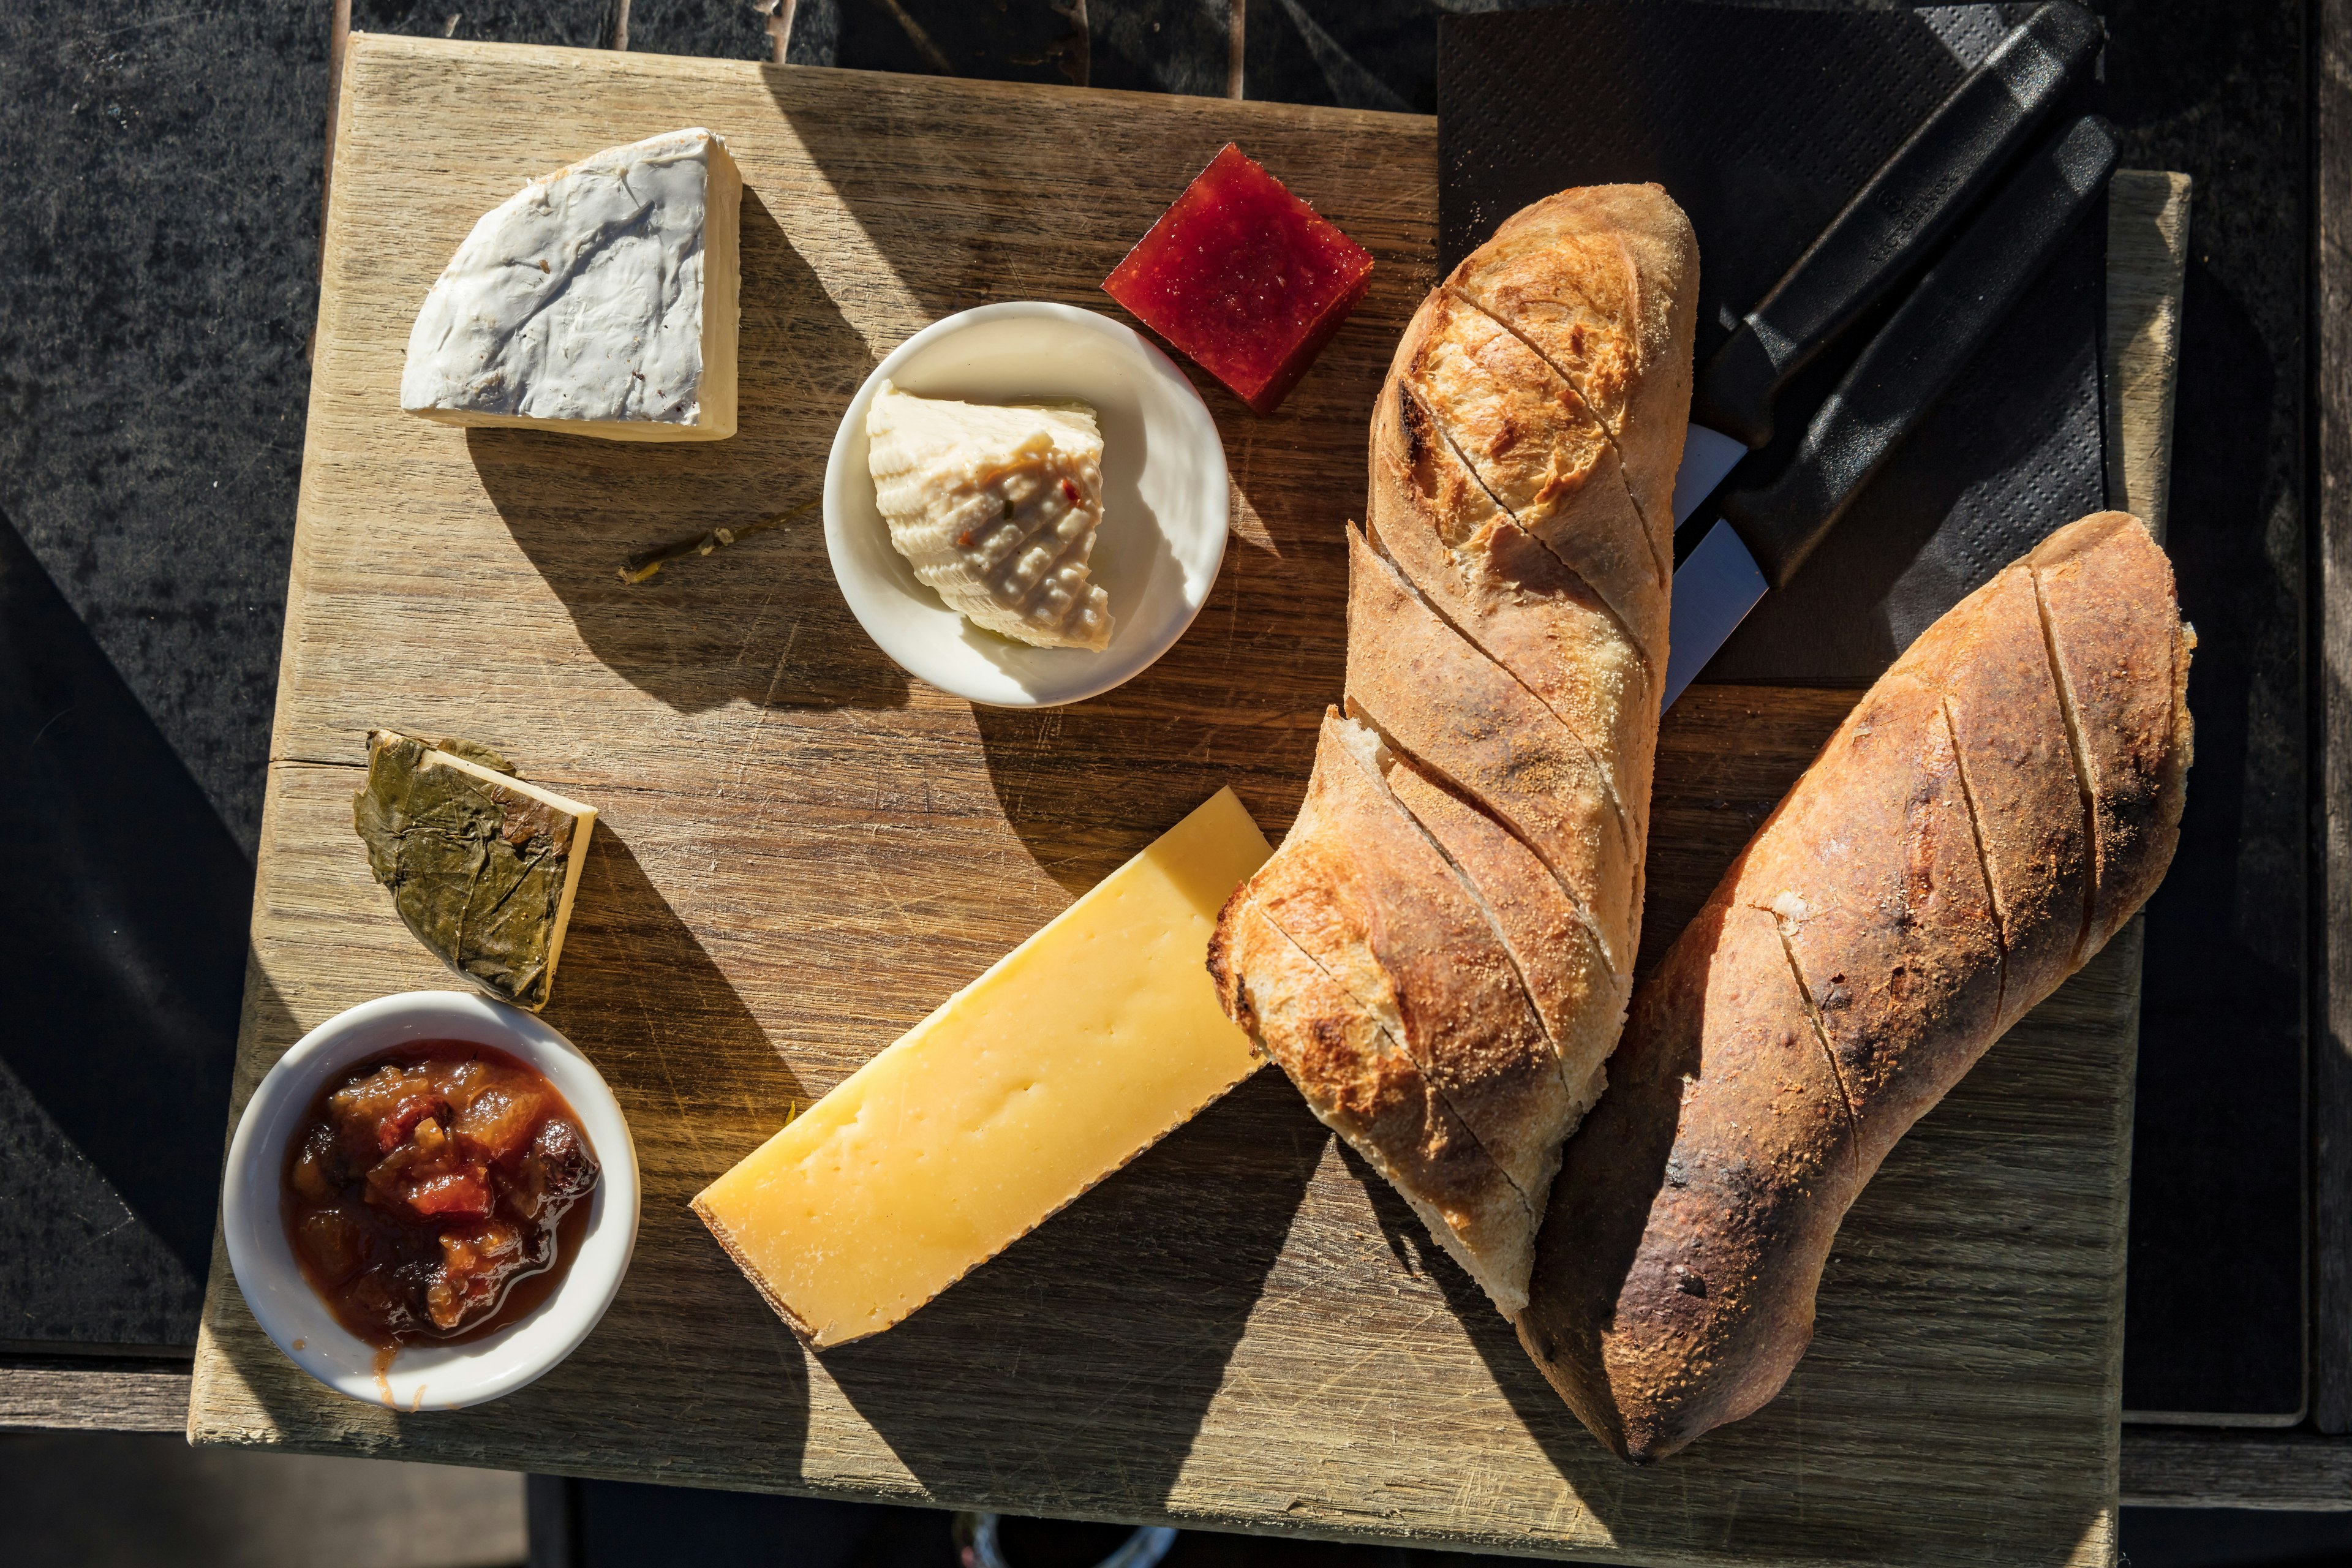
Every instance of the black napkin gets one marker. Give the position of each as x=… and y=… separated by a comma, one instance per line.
x=1762, y=123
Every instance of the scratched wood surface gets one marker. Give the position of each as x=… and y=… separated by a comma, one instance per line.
x=803, y=850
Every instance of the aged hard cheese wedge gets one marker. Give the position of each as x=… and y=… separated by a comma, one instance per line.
x=482, y=866
x=599, y=300
x=1080, y=1049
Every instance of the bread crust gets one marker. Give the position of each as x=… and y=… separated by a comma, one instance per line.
x=1681, y=1307
x=1523, y=606
x=1911, y=924
x=1877, y=892
x=1458, y=715
x=1365, y=895
x=1439, y=953
x=1362, y=1084
x=1535, y=449
x=1577, y=993
x=1989, y=663
x=2106, y=595
x=1602, y=281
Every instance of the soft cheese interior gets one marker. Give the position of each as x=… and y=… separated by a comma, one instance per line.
x=600, y=299
x=997, y=509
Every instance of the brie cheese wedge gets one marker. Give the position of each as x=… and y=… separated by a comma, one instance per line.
x=600, y=299
x=997, y=509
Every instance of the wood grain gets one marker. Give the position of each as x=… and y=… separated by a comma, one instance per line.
x=2147, y=251
x=801, y=852
x=54, y=1392
x=2184, y=1466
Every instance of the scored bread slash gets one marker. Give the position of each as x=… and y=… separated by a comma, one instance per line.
x=1599, y=281
x=1391, y=924
x=482, y=866
x=1987, y=818
x=1072, y=1055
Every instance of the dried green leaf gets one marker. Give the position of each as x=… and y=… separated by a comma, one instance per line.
x=475, y=870
x=646, y=563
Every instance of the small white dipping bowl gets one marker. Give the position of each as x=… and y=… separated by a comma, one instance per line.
x=1165, y=510
x=424, y=1375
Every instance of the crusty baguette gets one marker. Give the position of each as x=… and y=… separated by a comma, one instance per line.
x=1994, y=808
x=1440, y=952
x=1602, y=281
x=1369, y=898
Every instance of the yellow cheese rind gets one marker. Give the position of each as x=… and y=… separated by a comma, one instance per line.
x=1076, y=1052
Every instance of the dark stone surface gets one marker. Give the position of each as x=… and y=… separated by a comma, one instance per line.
x=125, y=910
x=717, y=30
x=1174, y=45
x=156, y=294
x=1348, y=53
x=609, y=1524
x=575, y=24
x=157, y=291
x=2215, y=1315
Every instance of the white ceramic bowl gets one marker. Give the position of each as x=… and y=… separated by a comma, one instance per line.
x=424, y=1375
x=1164, y=500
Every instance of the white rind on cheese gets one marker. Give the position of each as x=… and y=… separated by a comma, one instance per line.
x=600, y=299
x=997, y=509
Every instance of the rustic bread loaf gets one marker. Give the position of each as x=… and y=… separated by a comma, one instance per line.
x=1993, y=810
x=1602, y=280
x=1439, y=953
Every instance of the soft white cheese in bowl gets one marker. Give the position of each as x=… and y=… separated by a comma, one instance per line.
x=423, y=1375
x=1164, y=500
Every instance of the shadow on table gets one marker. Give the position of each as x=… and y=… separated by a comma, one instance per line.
x=1237, y=700
x=123, y=915
x=1071, y=1373
x=980, y=217
x=2218, y=1212
x=1927, y=1379
x=640, y=994
x=758, y=621
x=1563, y=1439
x=701, y=1086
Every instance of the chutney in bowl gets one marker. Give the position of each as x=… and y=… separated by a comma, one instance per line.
x=454, y=1224
x=430, y=1193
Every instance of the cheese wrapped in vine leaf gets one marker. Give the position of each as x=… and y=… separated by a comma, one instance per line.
x=482, y=866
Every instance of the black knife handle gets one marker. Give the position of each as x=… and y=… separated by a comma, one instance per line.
x=1897, y=219
x=1907, y=367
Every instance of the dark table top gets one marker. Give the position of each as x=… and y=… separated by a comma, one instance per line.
x=156, y=296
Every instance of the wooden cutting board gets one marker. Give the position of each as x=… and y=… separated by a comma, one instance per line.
x=802, y=851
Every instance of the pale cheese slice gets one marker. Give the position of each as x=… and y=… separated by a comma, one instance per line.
x=996, y=508
x=600, y=299
x=1078, y=1050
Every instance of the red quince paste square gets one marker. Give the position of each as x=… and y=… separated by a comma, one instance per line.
x=1245, y=278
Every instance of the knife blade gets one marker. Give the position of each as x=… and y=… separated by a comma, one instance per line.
x=1759, y=536
x=1899, y=215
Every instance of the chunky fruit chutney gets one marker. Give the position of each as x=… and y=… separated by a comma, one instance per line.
x=437, y=1193
x=1245, y=278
